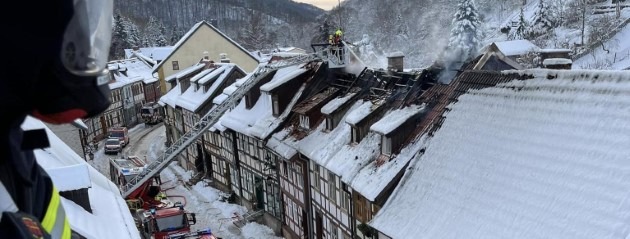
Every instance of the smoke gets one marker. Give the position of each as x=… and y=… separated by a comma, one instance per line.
x=354, y=67
x=452, y=61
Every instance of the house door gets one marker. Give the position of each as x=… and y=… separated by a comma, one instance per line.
x=304, y=224
x=228, y=175
x=260, y=197
x=103, y=126
x=319, y=225
x=199, y=161
x=208, y=159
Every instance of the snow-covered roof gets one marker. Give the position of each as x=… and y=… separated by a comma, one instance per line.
x=544, y=157
x=283, y=149
x=192, y=99
x=110, y=217
x=559, y=50
x=318, y=145
x=557, y=61
x=258, y=121
x=282, y=76
x=134, y=70
x=396, y=54
x=154, y=53
x=191, y=32
x=371, y=180
x=292, y=49
x=183, y=73
x=201, y=74
x=516, y=47
x=71, y=177
x=334, y=104
x=394, y=119
x=359, y=113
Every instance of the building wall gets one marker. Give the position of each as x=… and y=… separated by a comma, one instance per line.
x=331, y=204
x=205, y=39
x=294, y=197
x=152, y=92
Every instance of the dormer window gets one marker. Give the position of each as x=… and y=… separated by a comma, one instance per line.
x=304, y=122
x=276, y=105
x=386, y=145
x=356, y=135
x=184, y=85
x=329, y=124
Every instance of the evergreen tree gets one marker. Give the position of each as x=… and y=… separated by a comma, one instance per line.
x=176, y=35
x=133, y=34
x=543, y=21
x=253, y=37
x=161, y=38
x=521, y=28
x=155, y=33
x=119, y=34
x=465, y=39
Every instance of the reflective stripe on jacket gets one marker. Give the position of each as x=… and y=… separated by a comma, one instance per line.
x=55, y=221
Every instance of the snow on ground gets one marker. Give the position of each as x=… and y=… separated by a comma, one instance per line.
x=617, y=59
x=200, y=199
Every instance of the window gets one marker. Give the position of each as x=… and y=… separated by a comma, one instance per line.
x=355, y=135
x=316, y=181
x=334, y=232
x=175, y=65
x=304, y=122
x=329, y=124
x=386, y=145
x=345, y=197
x=284, y=168
x=332, y=187
x=298, y=173
x=276, y=106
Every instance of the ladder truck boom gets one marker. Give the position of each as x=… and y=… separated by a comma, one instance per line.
x=208, y=120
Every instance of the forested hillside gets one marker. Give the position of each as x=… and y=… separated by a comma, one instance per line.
x=420, y=28
x=255, y=24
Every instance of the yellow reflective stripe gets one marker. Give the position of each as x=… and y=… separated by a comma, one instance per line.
x=66, y=230
x=51, y=211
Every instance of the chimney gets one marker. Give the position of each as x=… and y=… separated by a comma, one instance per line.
x=557, y=63
x=395, y=61
x=135, y=48
x=223, y=58
x=206, y=55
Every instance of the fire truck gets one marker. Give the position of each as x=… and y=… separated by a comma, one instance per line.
x=169, y=223
x=152, y=113
x=156, y=216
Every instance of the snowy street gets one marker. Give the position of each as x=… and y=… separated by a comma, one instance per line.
x=203, y=201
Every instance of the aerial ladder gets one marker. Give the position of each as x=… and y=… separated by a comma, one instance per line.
x=213, y=116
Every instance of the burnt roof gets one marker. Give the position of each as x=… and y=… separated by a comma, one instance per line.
x=318, y=99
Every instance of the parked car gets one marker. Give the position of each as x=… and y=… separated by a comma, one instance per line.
x=113, y=146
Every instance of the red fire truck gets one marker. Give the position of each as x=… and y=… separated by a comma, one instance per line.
x=169, y=223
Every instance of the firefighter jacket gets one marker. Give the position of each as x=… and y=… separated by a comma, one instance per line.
x=31, y=205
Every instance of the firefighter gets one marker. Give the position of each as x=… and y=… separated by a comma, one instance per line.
x=338, y=35
x=54, y=85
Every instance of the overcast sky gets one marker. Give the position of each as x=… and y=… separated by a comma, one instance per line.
x=323, y=4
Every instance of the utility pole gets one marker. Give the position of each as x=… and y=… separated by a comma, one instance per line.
x=583, y=19
x=618, y=8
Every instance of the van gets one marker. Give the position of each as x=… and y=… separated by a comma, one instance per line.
x=121, y=134
x=112, y=145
